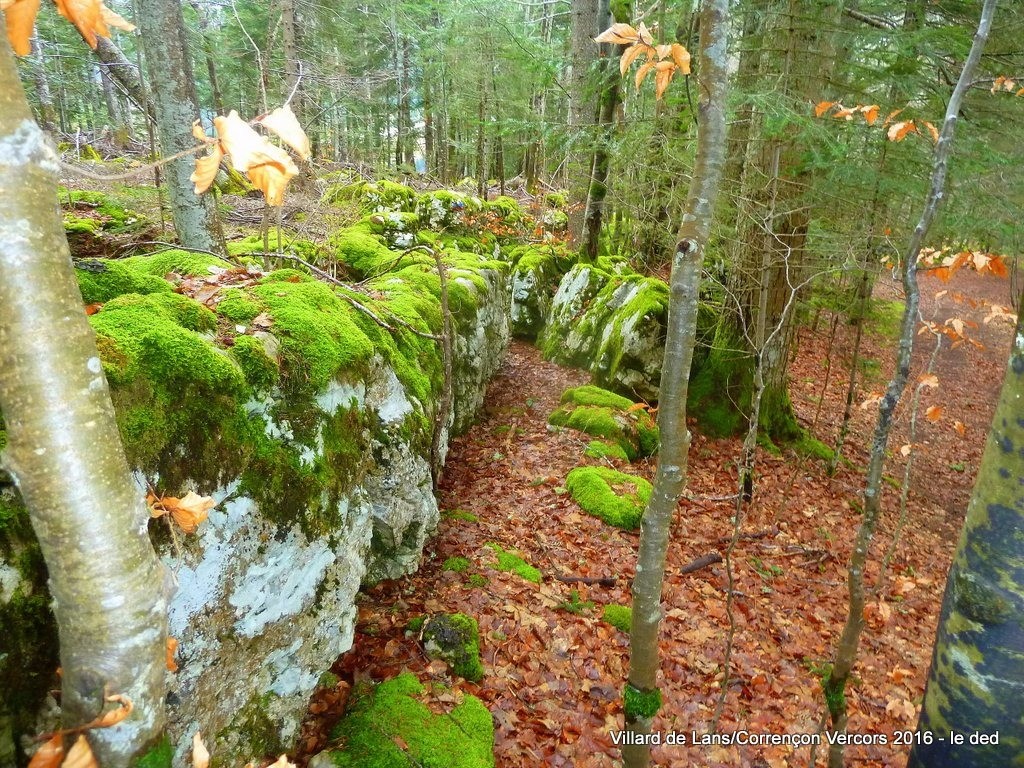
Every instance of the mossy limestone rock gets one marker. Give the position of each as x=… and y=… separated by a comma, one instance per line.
x=615, y=497
x=312, y=432
x=455, y=639
x=602, y=413
x=387, y=726
x=536, y=273
x=612, y=325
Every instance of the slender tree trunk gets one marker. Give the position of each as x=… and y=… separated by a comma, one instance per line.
x=64, y=453
x=846, y=651
x=292, y=61
x=174, y=95
x=481, y=154
x=642, y=698
x=583, y=105
x=117, y=65
x=47, y=115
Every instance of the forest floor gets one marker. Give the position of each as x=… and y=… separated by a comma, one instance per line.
x=554, y=669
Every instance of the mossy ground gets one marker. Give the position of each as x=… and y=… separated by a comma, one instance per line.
x=513, y=563
x=387, y=726
x=615, y=497
x=619, y=616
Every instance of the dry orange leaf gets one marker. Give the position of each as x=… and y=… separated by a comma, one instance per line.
x=49, y=754
x=200, y=754
x=899, y=131
x=271, y=180
x=933, y=131
x=960, y=427
x=268, y=167
x=890, y=116
x=172, y=648
x=282, y=122
x=80, y=755
x=629, y=56
x=933, y=413
x=114, y=716
x=823, y=106
x=870, y=113
x=87, y=16
x=206, y=169
x=188, y=512
x=20, y=17
x=642, y=73
x=623, y=34
x=665, y=70
x=905, y=449
x=681, y=57
x=115, y=20
x=645, y=34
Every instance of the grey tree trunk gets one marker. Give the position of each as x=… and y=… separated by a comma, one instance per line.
x=642, y=698
x=174, y=96
x=582, y=104
x=116, y=64
x=834, y=685
x=47, y=114
x=65, y=456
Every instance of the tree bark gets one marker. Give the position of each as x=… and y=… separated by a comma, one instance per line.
x=642, y=696
x=174, y=95
x=47, y=114
x=582, y=105
x=975, y=678
x=116, y=64
x=834, y=685
x=65, y=456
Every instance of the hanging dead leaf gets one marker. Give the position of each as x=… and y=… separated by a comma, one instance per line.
x=87, y=16
x=681, y=57
x=663, y=50
x=665, y=70
x=271, y=181
x=115, y=20
x=823, y=106
x=20, y=17
x=645, y=34
x=283, y=123
x=629, y=56
x=997, y=83
x=80, y=755
x=50, y=754
x=933, y=131
x=844, y=113
x=206, y=169
x=642, y=72
x=268, y=167
x=188, y=512
x=200, y=134
x=899, y=131
x=890, y=116
x=623, y=34
x=200, y=754
x=113, y=716
x=870, y=113
x=933, y=413
x=172, y=648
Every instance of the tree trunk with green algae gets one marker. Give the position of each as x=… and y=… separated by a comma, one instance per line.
x=642, y=697
x=976, y=676
x=834, y=684
x=173, y=87
x=64, y=453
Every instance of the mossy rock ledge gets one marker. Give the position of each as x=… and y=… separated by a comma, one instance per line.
x=610, y=321
x=310, y=425
x=631, y=432
x=616, y=497
x=537, y=271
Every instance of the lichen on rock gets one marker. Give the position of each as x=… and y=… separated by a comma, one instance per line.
x=455, y=639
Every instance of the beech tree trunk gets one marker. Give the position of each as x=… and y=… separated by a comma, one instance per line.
x=642, y=698
x=47, y=114
x=116, y=64
x=976, y=677
x=174, y=95
x=834, y=685
x=65, y=456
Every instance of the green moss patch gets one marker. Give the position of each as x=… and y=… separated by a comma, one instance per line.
x=456, y=564
x=108, y=214
x=510, y=562
x=387, y=726
x=601, y=413
x=602, y=449
x=619, y=616
x=455, y=638
x=615, y=497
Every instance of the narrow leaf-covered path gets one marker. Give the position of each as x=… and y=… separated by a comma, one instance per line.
x=554, y=669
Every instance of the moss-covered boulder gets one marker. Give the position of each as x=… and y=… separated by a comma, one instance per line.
x=610, y=324
x=387, y=726
x=108, y=214
x=506, y=209
x=443, y=209
x=372, y=196
x=616, y=497
x=310, y=424
x=455, y=639
x=537, y=271
x=602, y=413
